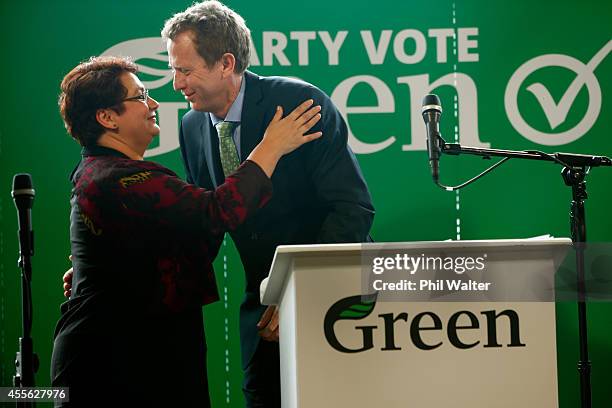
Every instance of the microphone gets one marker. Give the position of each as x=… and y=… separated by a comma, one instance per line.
x=23, y=195
x=431, y=115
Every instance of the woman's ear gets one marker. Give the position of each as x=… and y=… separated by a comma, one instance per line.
x=106, y=118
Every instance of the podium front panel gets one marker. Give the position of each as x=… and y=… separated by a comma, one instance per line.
x=338, y=351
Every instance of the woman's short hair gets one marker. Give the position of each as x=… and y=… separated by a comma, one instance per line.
x=92, y=85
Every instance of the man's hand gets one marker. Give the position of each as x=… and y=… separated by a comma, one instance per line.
x=268, y=324
x=68, y=281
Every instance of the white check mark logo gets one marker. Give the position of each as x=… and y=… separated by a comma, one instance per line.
x=557, y=113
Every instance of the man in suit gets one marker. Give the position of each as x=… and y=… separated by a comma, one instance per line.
x=320, y=195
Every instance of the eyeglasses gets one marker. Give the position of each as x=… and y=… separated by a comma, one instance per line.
x=143, y=97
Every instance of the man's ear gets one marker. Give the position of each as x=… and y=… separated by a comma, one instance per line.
x=228, y=63
x=106, y=118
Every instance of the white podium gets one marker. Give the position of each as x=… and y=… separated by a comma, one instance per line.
x=340, y=350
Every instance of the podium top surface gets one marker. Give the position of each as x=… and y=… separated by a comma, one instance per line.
x=271, y=287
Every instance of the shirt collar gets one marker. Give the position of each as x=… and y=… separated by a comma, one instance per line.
x=235, y=111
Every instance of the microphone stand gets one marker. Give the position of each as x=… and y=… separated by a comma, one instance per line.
x=575, y=169
x=26, y=361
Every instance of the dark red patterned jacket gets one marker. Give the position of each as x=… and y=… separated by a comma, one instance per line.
x=143, y=243
x=144, y=210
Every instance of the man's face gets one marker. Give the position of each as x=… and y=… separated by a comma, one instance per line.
x=202, y=86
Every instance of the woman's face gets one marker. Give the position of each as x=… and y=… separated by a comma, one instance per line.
x=138, y=122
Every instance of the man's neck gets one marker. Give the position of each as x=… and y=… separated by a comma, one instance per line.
x=233, y=91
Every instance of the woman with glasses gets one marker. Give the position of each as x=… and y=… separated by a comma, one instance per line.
x=135, y=221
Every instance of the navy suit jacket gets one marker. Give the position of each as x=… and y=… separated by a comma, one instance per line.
x=320, y=195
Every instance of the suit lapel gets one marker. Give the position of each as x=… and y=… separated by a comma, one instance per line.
x=253, y=113
x=210, y=150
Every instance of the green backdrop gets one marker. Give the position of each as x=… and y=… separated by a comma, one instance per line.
x=376, y=60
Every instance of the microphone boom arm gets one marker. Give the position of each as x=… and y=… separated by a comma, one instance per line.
x=575, y=169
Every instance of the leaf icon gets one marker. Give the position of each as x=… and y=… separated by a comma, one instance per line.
x=149, y=48
x=354, y=307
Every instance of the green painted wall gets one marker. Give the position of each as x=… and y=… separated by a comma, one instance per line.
x=44, y=40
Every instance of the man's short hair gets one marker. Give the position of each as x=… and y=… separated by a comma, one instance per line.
x=92, y=85
x=216, y=29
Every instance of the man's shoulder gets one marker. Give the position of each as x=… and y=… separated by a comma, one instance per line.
x=294, y=87
x=291, y=82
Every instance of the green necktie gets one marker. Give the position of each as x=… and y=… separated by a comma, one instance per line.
x=227, y=149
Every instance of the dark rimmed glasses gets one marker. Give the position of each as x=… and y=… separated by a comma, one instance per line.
x=143, y=97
